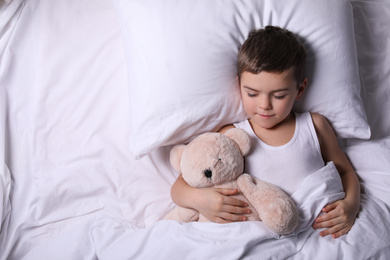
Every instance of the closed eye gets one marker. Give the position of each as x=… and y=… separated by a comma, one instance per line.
x=280, y=97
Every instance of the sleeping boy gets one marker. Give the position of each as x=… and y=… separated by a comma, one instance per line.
x=271, y=74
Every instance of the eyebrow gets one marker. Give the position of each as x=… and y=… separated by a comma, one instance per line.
x=278, y=90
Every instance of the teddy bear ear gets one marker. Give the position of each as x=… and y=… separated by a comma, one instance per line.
x=175, y=156
x=241, y=138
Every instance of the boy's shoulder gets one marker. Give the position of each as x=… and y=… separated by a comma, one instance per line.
x=318, y=119
x=321, y=124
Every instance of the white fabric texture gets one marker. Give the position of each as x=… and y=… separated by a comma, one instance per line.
x=115, y=239
x=372, y=18
x=67, y=175
x=5, y=176
x=181, y=58
x=286, y=165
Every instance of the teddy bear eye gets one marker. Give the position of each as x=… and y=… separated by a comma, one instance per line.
x=219, y=159
x=208, y=173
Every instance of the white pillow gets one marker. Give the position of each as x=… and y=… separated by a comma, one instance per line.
x=181, y=58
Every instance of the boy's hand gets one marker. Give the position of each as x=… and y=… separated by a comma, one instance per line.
x=338, y=219
x=217, y=205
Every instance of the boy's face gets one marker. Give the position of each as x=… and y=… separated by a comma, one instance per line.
x=268, y=98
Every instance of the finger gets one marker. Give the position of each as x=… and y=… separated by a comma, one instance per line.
x=341, y=232
x=236, y=210
x=235, y=202
x=227, y=192
x=232, y=217
x=220, y=220
x=336, y=230
x=330, y=207
x=325, y=217
x=328, y=223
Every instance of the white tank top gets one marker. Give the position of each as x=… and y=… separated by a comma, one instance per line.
x=287, y=165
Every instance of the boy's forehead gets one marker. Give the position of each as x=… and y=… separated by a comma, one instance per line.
x=285, y=73
x=285, y=76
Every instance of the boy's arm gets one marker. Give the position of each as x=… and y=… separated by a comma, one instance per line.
x=340, y=215
x=215, y=204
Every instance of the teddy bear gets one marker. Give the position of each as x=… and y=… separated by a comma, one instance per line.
x=217, y=160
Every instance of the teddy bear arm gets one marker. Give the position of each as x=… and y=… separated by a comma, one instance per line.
x=275, y=208
x=182, y=214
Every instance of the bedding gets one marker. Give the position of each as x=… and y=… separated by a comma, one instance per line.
x=320, y=188
x=182, y=56
x=72, y=189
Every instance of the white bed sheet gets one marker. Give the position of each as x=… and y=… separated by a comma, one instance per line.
x=66, y=171
x=372, y=20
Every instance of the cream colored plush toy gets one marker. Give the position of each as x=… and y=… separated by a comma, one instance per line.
x=217, y=160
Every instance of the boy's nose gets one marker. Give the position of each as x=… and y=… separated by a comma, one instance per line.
x=265, y=103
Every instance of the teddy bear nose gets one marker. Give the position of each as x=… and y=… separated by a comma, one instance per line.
x=208, y=173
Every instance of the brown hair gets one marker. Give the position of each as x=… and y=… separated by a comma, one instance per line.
x=272, y=49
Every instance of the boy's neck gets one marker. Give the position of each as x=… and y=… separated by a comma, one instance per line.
x=278, y=135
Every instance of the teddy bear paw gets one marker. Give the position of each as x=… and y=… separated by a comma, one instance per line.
x=245, y=181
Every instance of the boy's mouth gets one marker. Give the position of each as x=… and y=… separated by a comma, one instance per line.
x=265, y=116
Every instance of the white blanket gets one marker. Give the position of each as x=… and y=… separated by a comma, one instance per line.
x=170, y=239
x=97, y=236
x=111, y=238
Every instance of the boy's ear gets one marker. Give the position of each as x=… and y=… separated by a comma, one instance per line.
x=301, y=89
